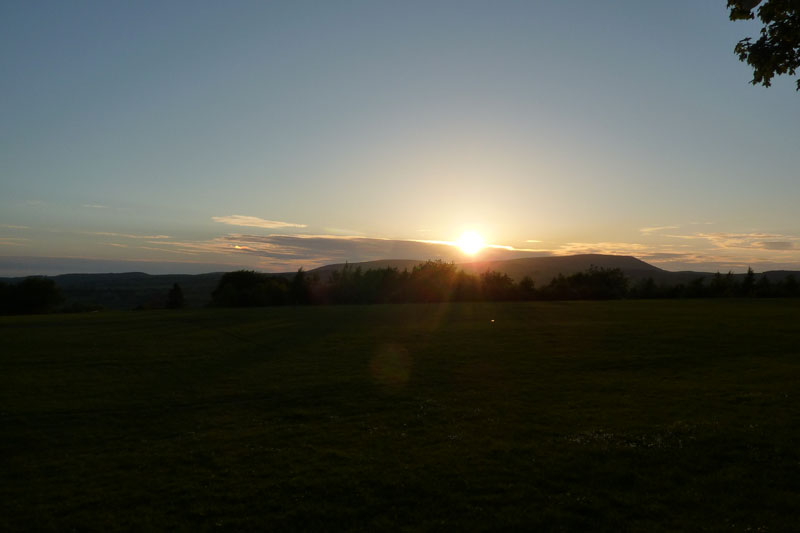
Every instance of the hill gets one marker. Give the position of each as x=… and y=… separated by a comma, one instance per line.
x=136, y=289
x=324, y=272
x=544, y=269
x=541, y=269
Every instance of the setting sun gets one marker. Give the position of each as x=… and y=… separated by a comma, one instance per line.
x=470, y=242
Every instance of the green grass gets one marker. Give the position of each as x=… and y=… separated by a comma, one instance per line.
x=631, y=415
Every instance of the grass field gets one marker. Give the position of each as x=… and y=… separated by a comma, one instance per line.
x=629, y=415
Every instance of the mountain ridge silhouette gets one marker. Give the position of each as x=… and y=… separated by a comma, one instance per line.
x=127, y=290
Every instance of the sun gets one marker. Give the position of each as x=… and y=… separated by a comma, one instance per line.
x=470, y=242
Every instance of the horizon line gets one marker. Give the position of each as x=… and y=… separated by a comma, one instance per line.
x=158, y=268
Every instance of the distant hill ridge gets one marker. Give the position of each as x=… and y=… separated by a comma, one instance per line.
x=544, y=269
x=519, y=268
x=132, y=289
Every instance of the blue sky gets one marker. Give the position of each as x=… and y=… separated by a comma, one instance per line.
x=190, y=136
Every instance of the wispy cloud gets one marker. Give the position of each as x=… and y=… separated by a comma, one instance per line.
x=778, y=245
x=13, y=226
x=125, y=235
x=752, y=240
x=13, y=241
x=342, y=231
x=678, y=236
x=95, y=206
x=165, y=249
x=255, y=222
x=655, y=229
x=485, y=249
x=764, y=241
x=317, y=250
x=611, y=248
x=722, y=251
x=659, y=254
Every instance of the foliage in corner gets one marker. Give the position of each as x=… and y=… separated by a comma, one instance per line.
x=777, y=50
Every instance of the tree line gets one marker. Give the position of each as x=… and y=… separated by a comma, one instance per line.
x=433, y=281
x=39, y=295
x=438, y=281
x=32, y=295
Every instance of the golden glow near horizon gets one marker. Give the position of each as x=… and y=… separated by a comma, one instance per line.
x=470, y=242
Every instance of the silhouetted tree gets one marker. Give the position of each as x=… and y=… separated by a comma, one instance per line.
x=5, y=298
x=696, y=288
x=777, y=50
x=467, y=287
x=346, y=284
x=175, y=297
x=790, y=286
x=722, y=285
x=645, y=288
x=747, y=288
x=246, y=288
x=32, y=295
x=593, y=284
x=438, y=281
x=603, y=283
x=763, y=288
x=559, y=288
x=497, y=286
x=527, y=288
x=432, y=281
x=300, y=289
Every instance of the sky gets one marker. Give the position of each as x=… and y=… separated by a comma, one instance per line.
x=189, y=137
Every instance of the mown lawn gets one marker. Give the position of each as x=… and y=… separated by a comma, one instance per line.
x=629, y=415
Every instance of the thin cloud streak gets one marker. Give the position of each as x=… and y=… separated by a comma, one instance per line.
x=752, y=240
x=316, y=250
x=13, y=241
x=342, y=231
x=611, y=248
x=494, y=246
x=655, y=229
x=778, y=245
x=168, y=250
x=125, y=235
x=255, y=222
